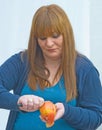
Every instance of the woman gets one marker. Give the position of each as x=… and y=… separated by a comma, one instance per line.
x=51, y=70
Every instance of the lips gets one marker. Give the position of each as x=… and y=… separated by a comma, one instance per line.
x=51, y=50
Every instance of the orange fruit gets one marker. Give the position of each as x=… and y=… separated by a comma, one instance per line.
x=48, y=112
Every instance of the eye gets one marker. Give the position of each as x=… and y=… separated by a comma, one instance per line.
x=42, y=38
x=55, y=35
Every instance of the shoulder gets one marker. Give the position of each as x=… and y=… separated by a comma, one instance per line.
x=85, y=69
x=18, y=58
x=16, y=61
x=84, y=64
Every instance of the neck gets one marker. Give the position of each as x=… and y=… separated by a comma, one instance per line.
x=53, y=66
x=52, y=63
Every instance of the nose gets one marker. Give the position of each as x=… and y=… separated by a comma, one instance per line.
x=49, y=42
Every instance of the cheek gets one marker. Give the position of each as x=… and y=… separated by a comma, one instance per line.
x=60, y=41
x=60, y=44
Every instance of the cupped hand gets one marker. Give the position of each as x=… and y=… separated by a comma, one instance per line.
x=59, y=111
x=30, y=103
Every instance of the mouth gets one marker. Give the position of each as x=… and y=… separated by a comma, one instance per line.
x=51, y=50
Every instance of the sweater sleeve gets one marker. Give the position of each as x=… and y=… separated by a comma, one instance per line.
x=88, y=114
x=9, y=76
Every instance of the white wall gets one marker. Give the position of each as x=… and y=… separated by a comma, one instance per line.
x=15, y=22
x=96, y=33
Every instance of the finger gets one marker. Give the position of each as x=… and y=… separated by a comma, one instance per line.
x=30, y=104
x=22, y=103
x=26, y=104
x=58, y=115
x=41, y=102
x=38, y=101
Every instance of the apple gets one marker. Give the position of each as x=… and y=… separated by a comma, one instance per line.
x=48, y=112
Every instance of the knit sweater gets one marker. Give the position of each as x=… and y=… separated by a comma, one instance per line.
x=87, y=115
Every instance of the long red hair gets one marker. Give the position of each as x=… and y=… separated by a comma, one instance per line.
x=47, y=20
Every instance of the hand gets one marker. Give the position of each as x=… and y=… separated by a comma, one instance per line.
x=30, y=103
x=59, y=111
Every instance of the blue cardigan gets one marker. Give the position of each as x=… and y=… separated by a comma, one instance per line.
x=88, y=113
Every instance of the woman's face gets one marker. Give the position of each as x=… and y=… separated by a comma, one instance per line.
x=51, y=46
